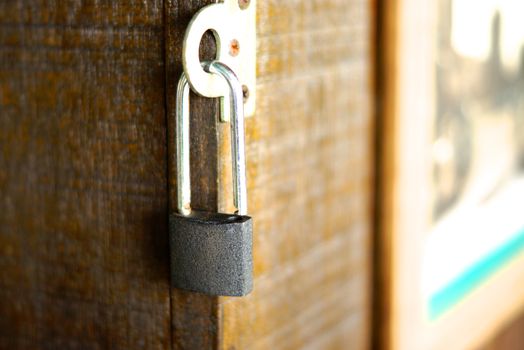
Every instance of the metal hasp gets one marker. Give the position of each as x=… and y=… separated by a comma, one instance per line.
x=211, y=253
x=233, y=23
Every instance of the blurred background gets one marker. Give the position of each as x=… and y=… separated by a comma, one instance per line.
x=450, y=220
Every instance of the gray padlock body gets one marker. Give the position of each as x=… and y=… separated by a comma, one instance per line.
x=211, y=253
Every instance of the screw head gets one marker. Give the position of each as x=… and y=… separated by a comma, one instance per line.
x=244, y=4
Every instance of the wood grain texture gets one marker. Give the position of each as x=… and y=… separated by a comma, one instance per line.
x=86, y=178
x=195, y=322
x=310, y=173
x=83, y=205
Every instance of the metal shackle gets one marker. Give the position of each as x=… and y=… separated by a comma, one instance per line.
x=237, y=139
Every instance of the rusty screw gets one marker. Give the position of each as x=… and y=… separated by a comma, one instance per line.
x=244, y=4
x=234, y=47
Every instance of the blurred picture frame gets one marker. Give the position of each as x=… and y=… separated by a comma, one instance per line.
x=451, y=212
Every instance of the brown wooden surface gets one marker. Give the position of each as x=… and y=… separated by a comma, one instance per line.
x=386, y=60
x=83, y=205
x=310, y=159
x=510, y=338
x=195, y=316
x=86, y=106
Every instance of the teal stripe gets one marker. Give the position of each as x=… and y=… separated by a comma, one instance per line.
x=447, y=297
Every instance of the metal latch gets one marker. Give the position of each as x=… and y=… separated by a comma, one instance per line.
x=233, y=23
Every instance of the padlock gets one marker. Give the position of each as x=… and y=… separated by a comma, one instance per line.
x=211, y=253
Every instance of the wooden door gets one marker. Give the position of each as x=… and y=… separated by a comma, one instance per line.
x=86, y=163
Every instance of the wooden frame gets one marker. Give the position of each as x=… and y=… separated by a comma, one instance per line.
x=405, y=57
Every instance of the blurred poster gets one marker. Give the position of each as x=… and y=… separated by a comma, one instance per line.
x=478, y=142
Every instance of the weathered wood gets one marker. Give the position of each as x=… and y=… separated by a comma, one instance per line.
x=86, y=92
x=195, y=316
x=310, y=166
x=83, y=205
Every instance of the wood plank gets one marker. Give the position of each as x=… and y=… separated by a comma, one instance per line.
x=84, y=162
x=310, y=175
x=83, y=257
x=195, y=322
